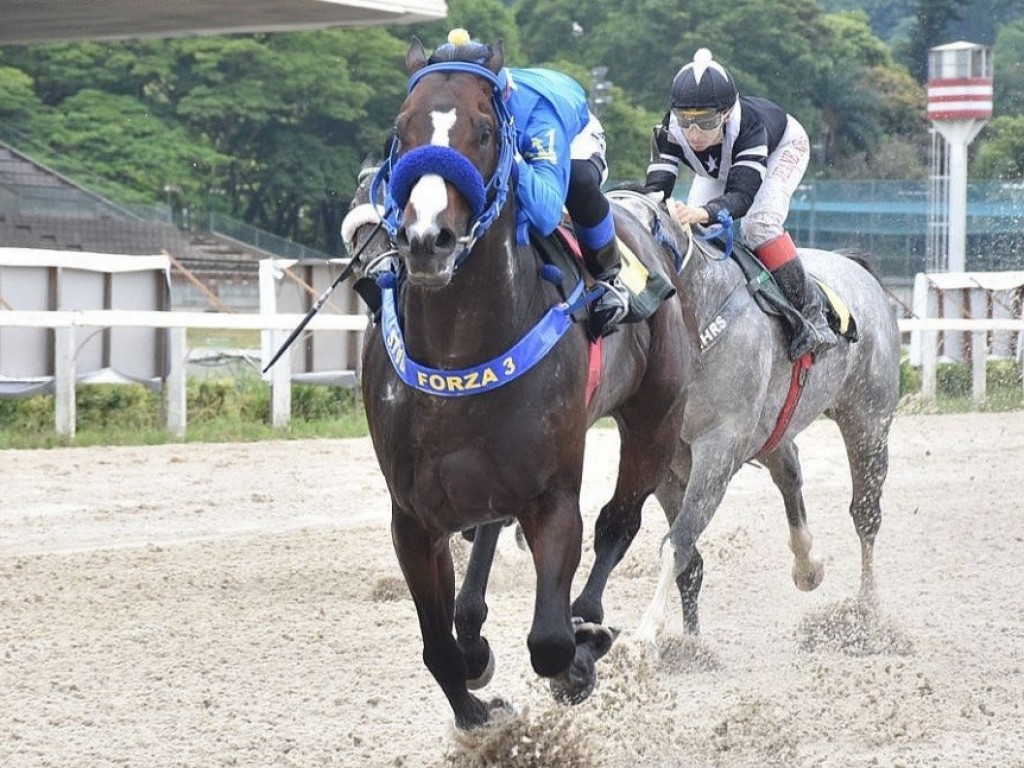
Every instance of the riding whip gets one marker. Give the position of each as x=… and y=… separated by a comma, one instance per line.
x=321, y=300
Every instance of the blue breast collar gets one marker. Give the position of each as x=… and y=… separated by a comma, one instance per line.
x=497, y=372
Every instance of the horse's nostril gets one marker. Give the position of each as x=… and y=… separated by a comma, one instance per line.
x=445, y=240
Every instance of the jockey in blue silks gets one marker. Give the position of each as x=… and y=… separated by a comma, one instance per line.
x=560, y=161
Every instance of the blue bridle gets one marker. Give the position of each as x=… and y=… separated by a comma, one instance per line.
x=485, y=199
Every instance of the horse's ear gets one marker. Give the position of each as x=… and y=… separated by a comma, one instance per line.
x=497, y=58
x=416, y=58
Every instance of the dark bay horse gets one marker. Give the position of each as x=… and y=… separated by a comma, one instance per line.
x=469, y=430
x=742, y=382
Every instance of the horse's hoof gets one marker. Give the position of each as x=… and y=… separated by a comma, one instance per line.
x=577, y=682
x=597, y=637
x=809, y=575
x=484, y=677
x=488, y=713
x=499, y=709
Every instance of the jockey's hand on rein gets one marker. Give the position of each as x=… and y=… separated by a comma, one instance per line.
x=686, y=214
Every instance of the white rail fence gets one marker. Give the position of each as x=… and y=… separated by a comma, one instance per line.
x=66, y=326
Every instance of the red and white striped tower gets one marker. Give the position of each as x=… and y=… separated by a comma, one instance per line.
x=959, y=105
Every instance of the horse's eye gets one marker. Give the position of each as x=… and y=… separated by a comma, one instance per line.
x=486, y=135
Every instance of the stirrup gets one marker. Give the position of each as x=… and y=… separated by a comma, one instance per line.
x=609, y=310
x=815, y=336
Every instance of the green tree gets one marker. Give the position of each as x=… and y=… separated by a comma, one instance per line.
x=1001, y=155
x=932, y=19
x=862, y=96
x=19, y=106
x=1008, y=77
x=562, y=29
x=639, y=43
x=485, y=20
x=103, y=130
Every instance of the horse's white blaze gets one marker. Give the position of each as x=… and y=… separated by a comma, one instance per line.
x=429, y=196
x=428, y=199
x=443, y=123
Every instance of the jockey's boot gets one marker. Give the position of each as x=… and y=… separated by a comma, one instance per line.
x=613, y=305
x=811, y=331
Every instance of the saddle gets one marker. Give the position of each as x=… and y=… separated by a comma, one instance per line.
x=761, y=285
x=563, y=259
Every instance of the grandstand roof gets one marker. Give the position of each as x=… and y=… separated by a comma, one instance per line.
x=42, y=21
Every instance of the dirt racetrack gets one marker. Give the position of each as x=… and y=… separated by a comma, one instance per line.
x=237, y=605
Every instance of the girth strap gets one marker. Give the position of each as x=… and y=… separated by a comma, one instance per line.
x=796, y=387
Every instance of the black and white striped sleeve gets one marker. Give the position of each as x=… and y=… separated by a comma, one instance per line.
x=665, y=158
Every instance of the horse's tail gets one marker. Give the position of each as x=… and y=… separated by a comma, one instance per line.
x=864, y=260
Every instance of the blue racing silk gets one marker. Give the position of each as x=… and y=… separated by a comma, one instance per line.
x=549, y=110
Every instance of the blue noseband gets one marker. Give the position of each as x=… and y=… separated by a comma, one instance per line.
x=446, y=162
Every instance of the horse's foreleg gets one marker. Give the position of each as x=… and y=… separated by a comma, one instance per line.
x=616, y=527
x=555, y=537
x=426, y=561
x=559, y=649
x=642, y=463
x=471, y=606
x=690, y=495
x=784, y=466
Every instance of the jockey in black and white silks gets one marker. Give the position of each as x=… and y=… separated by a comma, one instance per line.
x=748, y=157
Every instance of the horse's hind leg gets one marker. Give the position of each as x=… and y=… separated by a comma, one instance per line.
x=614, y=531
x=426, y=562
x=867, y=446
x=471, y=606
x=784, y=466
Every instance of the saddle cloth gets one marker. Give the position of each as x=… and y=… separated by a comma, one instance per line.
x=766, y=292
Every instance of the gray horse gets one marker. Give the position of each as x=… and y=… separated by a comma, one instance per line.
x=741, y=384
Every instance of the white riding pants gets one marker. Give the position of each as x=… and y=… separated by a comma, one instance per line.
x=766, y=218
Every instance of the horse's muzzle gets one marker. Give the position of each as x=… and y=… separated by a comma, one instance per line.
x=429, y=255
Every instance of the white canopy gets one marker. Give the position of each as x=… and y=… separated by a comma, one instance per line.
x=44, y=21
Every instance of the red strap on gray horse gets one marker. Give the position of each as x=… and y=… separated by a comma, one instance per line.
x=796, y=387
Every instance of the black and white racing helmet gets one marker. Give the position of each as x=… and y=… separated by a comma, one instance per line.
x=703, y=84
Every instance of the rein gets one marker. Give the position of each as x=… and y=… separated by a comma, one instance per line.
x=722, y=227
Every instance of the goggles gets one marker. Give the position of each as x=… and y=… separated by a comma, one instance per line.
x=702, y=119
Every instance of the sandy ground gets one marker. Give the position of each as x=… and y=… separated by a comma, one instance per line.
x=218, y=605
